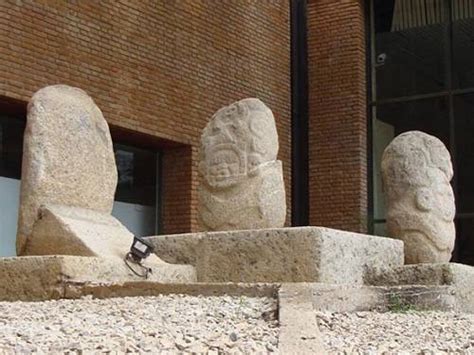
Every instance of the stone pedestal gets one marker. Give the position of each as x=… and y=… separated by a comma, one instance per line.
x=30, y=278
x=306, y=254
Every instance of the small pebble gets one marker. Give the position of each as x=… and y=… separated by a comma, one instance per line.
x=233, y=336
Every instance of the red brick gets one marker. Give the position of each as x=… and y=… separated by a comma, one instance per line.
x=160, y=68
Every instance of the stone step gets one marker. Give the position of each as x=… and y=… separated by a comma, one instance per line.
x=460, y=278
x=360, y=298
x=302, y=254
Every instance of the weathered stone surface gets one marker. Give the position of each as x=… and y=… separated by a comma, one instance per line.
x=356, y=298
x=241, y=182
x=458, y=276
x=416, y=171
x=148, y=288
x=68, y=157
x=62, y=230
x=31, y=278
x=305, y=254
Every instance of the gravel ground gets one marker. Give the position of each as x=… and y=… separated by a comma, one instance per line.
x=164, y=324
x=397, y=333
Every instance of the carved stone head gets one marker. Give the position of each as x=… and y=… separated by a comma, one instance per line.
x=416, y=172
x=241, y=182
x=237, y=140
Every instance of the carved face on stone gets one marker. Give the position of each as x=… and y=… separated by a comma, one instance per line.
x=416, y=171
x=236, y=141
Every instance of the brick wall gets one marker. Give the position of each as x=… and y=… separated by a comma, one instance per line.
x=156, y=67
x=337, y=114
x=176, y=189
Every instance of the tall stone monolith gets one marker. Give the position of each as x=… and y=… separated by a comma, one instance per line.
x=416, y=172
x=241, y=180
x=68, y=157
x=68, y=184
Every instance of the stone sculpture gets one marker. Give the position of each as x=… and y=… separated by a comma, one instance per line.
x=416, y=173
x=67, y=192
x=68, y=157
x=241, y=182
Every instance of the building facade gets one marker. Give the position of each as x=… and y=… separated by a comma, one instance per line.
x=342, y=77
x=158, y=70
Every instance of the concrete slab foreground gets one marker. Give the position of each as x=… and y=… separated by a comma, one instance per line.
x=303, y=254
x=299, y=332
x=297, y=302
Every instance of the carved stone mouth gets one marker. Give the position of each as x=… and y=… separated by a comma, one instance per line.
x=216, y=148
x=235, y=155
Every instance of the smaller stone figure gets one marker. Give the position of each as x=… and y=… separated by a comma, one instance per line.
x=241, y=182
x=416, y=171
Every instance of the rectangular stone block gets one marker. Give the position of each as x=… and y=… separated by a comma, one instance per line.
x=31, y=278
x=355, y=298
x=458, y=276
x=303, y=254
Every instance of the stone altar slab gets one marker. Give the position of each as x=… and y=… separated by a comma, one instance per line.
x=65, y=230
x=303, y=254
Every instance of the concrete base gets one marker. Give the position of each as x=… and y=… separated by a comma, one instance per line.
x=306, y=254
x=459, y=278
x=355, y=298
x=31, y=278
x=305, y=296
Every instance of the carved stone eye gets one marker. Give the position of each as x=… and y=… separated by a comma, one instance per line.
x=425, y=199
x=232, y=109
x=254, y=160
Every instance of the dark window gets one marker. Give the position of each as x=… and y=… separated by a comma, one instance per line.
x=409, y=46
x=422, y=66
x=136, y=175
x=464, y=146
x=11, y=146
x=136, y=195
x=428, y=115
x=463, y=43
x=465, y=232
x=391, y=119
